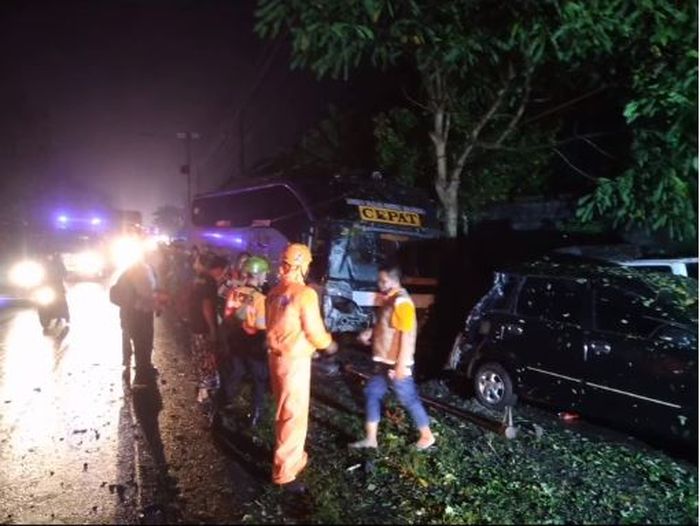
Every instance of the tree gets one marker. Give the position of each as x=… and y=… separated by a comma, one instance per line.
x=480, y=63
x=476, y=61
x=659, y=188
x=169, y=218
x=496, y=177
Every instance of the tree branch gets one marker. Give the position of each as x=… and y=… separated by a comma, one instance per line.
x=495, y=146
x=521, y=109
x=566, y=104
x=413, y=101
x=474, y=135
x=575, y=168
x=597, y=148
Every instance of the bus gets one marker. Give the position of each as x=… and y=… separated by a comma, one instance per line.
x=351, y=224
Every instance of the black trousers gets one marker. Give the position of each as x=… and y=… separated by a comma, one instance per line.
x=247, y=356
x=137, y=339
x=257, y=369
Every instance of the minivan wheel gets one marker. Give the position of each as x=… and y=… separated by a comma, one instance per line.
x=493, y=386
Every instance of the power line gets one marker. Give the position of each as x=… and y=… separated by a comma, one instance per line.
x=227, y=143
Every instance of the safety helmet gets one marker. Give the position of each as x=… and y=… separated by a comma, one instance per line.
x=256, y=265
x=298, y=256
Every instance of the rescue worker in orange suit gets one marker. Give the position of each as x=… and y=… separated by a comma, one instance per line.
x=295, y=330
x=393, y=341
x=244, y=315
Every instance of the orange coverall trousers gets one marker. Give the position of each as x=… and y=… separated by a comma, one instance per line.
x=291, y=384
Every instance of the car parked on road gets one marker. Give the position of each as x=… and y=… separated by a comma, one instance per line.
x=611, y=343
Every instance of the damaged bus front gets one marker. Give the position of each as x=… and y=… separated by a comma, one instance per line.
x=352, y=226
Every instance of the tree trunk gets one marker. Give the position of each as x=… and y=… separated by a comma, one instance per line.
x=448, y=195
x=446, y=187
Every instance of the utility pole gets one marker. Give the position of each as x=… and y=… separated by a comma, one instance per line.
x=186, y=169
x=241, y=145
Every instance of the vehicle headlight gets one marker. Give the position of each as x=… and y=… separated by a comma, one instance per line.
x=27, y=274
x=126, y=251
x=89, y=262
x=45, y=296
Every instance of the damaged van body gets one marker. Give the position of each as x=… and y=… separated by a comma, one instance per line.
x=611, y=343
x=352, y=226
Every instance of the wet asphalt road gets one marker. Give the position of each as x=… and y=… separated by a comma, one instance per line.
x=77, y=445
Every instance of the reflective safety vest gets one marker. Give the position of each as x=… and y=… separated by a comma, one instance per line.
x=245, y=306
x=395, y=330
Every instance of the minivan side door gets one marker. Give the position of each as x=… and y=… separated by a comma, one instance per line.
x=640, y=369
x=546, y=333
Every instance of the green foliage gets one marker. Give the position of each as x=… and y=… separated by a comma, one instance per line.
x=659, y=189
x=397, y=134
x=467, y=52
x=474, y=477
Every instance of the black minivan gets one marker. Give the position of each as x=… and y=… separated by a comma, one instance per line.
x=611, y=343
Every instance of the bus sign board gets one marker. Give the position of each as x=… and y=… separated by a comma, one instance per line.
x=391, y=217
x=389, y=214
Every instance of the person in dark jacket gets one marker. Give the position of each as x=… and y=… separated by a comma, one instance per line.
x=204, y=330
x=139, y=301
x=245, y=318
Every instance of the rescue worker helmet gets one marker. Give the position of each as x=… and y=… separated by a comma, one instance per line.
x=256, y=265
x=298, y=256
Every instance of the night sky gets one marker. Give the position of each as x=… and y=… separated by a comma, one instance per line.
x=96, y=91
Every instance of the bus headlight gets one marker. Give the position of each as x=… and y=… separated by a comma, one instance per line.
x=126, y=251
x=27, y=274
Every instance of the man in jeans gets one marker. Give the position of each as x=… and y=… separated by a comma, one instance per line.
x=393, y=341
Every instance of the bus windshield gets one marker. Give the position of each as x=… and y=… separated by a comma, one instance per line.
x=358, y=255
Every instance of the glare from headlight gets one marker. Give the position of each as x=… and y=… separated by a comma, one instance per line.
x=89, y=263
x=27, y=274
x=45, y=296
x=126, y=251
x=151, y=244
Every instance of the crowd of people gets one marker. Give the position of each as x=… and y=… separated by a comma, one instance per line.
x=240, y=327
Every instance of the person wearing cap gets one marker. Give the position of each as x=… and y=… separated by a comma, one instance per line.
x=204, y=332
x=244, y=317
x=295, y=330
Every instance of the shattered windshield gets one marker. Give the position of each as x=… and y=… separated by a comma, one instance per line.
x=357, y=254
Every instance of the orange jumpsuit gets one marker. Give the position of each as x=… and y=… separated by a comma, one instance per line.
x=295, y=330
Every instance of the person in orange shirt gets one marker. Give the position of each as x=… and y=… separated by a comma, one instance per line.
x=393, y=341
x=295, y=330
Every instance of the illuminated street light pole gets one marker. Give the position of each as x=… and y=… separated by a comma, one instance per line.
x=188, y=136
